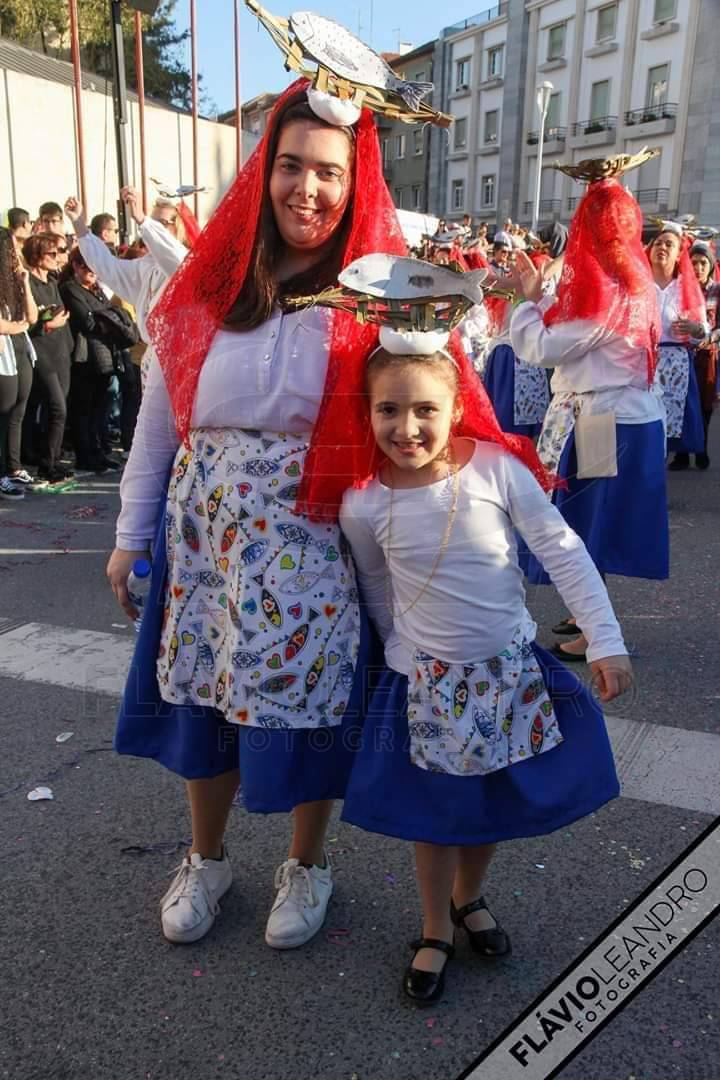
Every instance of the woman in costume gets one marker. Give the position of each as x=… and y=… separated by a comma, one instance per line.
x=599, y=336
x=683, y=325
x=704, y=264
x=253, y=647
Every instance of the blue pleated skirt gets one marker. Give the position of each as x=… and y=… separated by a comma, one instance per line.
x=499, y=382
x=623, y=519
x=692, y=439
x=278, y=769
x=388, y=795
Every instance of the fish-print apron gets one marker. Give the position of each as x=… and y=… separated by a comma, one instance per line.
x=473, y=719
x=672, y=379
x=532, y=393
x=262, y=618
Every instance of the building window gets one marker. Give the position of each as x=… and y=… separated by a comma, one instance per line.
x=495, y=62
x=657, y=87
x=419, y=76
x=606, y=23
x=552, y=120
x=418, y=140
x=556, y=42
x=487, y=191
x=399, y=197
x=491, y=126
x=458, y=195
x=460, y=140
x=385, y=152
x=664, y=9
x=462, y=74
x=600, y=100
x=399, y=147
x=417, y=197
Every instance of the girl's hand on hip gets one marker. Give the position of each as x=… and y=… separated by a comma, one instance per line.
x=612, y=676
x=118, y=571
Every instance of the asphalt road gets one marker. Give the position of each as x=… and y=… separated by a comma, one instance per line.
x=89, y=988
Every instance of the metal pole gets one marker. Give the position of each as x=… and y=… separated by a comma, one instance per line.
x=140, y=73
x=238, y=103
x=538, y=179
x=121, y=115
x=77, y=72
x=193, y=47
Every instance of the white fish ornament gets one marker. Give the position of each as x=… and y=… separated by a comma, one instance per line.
x=338, y=50
x=394, y=277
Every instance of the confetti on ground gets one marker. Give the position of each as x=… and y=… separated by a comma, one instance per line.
x=390, y=878
x=430, y=1022
x=517, y=892
x=540, y=865
x=197, y=973
x=252, y=973
x=163, y=847
x=677, y=1043
x=64, y=736
x=395, y=1054
x=82, y=512
x=39, y=793
x=119, y=625
x=438, y=1040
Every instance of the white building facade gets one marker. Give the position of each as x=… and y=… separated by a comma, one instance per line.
x=625, y=74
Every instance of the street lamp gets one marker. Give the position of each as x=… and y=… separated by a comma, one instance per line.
x=543, y=101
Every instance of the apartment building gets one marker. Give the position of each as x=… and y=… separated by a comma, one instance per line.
x=406, y=148
x=625, y=74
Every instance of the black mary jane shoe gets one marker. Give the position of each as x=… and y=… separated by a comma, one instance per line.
x=427, y=987
x=567, y=657
x=702, y=461
x=566, y=627
x=491, y=943
x=679, y=463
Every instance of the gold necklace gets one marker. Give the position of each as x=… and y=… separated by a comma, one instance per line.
x=441, y=550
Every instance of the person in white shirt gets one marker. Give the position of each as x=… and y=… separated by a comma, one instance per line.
x=474, y=734
x=683, y=323
x=603, y=434
x=252, y=650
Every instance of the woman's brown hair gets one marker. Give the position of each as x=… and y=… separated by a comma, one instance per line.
x=261, y=291
x=38, y=245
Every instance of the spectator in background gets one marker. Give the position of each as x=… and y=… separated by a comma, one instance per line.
x=19, y=226
x=17, y=311
x=53, y=347
x=105, y=227
x=50, y=219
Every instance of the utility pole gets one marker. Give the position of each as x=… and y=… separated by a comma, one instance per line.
x=120, y=108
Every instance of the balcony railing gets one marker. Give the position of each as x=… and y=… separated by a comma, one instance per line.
x=477, y=20
x=547, y=206
x=552, y=134
x=657, y=196
x=650, y=113
x=573, y=201
x=592, y=127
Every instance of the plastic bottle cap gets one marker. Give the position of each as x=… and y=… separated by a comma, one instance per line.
x=141, y=568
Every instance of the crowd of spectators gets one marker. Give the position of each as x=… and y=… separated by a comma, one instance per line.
x=73, y=310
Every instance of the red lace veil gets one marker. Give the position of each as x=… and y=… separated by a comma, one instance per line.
x=606, y=277
x=191, y=223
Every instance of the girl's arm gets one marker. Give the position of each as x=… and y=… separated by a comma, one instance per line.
x=31, y=311
x=369, y=560
x=565, y=558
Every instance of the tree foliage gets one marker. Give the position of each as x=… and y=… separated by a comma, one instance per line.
x=44, y=24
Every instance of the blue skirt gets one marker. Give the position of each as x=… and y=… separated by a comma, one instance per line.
x=692, y=439
x=623, y=519
x=388, y=795
x=499, y=382
x=278, y=769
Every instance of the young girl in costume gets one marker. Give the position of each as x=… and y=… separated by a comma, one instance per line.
x=474, y=734
x=252, y=639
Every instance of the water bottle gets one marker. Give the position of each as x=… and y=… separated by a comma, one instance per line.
x=138, y=587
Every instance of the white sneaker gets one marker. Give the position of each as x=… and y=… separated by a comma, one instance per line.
x=190, y=905
x=300, y=905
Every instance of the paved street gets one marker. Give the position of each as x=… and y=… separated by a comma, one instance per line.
x=90, y=990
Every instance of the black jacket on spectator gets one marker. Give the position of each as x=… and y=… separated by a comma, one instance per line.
x=93, y=342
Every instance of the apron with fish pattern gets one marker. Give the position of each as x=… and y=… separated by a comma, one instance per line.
x=262, y=619
x=672, y=378
x=532, y=393
x=473, y=719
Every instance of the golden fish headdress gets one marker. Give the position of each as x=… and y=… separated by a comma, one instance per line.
x=593, y=169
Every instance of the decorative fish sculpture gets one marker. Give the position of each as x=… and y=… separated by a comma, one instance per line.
x=209, y=578
x=343, y=54
x=537, y=734
x=179, y=192
x=297, y=642
x=253, y=552
x=395, y=277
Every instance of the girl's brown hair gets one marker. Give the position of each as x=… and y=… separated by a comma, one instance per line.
x=441, y=365
x=261, y=291
x=12, y=294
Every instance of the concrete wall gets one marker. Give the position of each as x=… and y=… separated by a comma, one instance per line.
x=38, y=159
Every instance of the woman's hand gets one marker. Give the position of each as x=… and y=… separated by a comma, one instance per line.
x=612, y=675
x=117, y=572
x=686, y=328
x=526, y=280
x=76, y=212
x=57, y=320
x=133, y=202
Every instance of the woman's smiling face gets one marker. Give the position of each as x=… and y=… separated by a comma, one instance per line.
x=310, y=183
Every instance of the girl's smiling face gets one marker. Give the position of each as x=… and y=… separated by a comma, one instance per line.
x=412, y=411
x=310, y=183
